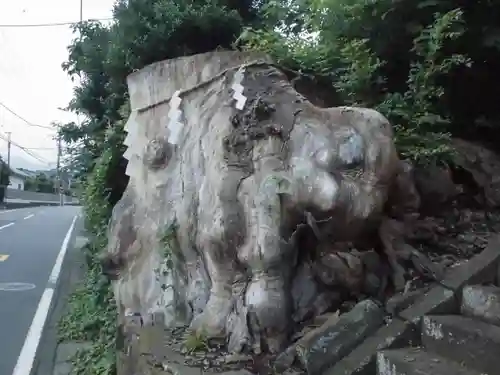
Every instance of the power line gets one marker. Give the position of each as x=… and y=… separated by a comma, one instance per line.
x=23, y=119
x=53, y=24
x=40, y=148
x=25, y=149
x=8, y=148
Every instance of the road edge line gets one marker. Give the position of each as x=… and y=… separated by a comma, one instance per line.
x=7, y=225
x=26, y=359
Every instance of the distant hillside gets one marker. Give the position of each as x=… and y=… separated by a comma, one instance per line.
x=18, y=161
x=50, y=173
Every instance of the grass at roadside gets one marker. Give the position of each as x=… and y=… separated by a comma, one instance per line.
x=91, y=317
x=92, y=310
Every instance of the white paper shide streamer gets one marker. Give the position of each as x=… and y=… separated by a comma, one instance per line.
x=131, y=130
x=174, y=116
x=131, y=142
x=238, y=88
x=175, y=124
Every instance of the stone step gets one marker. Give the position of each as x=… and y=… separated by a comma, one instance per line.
x=330, y=342
x=466, y=340
x=416, y=361
x=482, y=302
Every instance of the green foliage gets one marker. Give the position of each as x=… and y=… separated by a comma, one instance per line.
x=421, y=131
x=169, y=244
x=92, y=317
x=97, y=209
x=89, y=306
x=340, y=46
x=169, y=247
x=40, y=183
x=99, y=359
x=92, y=309
x=196, y=342
x=4, y=178
x=4, y=173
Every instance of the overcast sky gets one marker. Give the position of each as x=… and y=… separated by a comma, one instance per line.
x=32, y=83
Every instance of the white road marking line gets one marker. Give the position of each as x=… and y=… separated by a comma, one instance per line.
x=6, y=226
x=26, y=358
x=29, y=216
x=56, y=270
x=5, y=211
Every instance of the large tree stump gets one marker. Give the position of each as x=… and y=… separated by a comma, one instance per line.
x=238, y=185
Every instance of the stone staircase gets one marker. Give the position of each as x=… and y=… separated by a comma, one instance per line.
x=464, y=344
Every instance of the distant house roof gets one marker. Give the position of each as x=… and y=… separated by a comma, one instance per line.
x=19, y=173
x=27, y=172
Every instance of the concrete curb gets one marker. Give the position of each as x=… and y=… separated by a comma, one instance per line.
x=12, y=205
x=441, y=299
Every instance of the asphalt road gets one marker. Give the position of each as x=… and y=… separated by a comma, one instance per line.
x=32, y=241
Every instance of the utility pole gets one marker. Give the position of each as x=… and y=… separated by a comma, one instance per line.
x=9, y=144
x=81, y=11
x=9, y=134
x=58, y=171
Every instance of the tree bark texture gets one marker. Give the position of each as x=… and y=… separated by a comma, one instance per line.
x=239, y=203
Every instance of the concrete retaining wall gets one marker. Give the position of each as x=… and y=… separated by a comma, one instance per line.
x=34, y=196
x=25, y=204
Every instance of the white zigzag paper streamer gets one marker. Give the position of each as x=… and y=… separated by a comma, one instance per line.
x=128, y=153
x=134, y=154
x=131, y=129
x=238, y=88
x=174, y=116
x=133, y=161
x=131, y=141
x=134, y=149
x=174, y=124
x=132, y=167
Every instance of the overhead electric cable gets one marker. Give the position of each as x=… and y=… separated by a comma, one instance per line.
x=23, y=119
x=52, y=24
x=25, y=149
x=40, y=148
x=34, y=156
